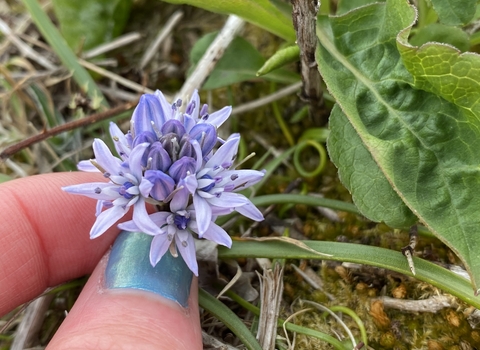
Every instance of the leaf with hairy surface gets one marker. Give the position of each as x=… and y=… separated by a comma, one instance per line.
x=426, y=148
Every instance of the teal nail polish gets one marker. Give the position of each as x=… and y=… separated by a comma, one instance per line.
x=129, y=267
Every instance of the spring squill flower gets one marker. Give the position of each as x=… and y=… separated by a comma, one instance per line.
x=168, y=159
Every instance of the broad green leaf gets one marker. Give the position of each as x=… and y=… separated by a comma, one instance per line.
x=262, y=13
x=425, y=146
x=455, y=12
x=240, y=62
x=87, y=23
x=371, y=191
x=444, y=71
x=441, y=33
x=348, y=5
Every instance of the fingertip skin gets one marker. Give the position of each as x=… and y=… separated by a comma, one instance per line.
x=126, y=318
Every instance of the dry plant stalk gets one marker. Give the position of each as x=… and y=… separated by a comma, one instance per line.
x=304, y=15
x=271, y=290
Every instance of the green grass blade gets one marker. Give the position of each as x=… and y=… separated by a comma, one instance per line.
x=306, y=200
x=356, y=253
x=229, y=319
x=68, y=58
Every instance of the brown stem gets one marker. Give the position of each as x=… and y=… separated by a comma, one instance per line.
x=91, y=119
x=304, y=21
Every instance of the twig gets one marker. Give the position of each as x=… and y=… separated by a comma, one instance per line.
x=91, y=119
x=114, y=44
x=216, y=49
x=162, y=35
x=304, y=14
x=432, y=304
x=267, y=99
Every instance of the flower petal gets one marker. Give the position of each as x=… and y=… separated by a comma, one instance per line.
x=86, y=165
x=158, y=248
x=92, y=190
x=149, y=112
x=229, y=200
x=186, y=246
x=162, y=185
x=166, y=111
x=250, y=211
x=105, y=158
x=218, y=235
x=135, y=162
x=203, y=214
x=106, y=219
x=142, y=220
x=119, y=140
x=181, y=168
x=240, y=179
x=219, y=117
x=226, y=153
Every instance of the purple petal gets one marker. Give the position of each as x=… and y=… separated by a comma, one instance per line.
x=142, y=220
x=135, y=160
x=219, y=117
x=218, y=235
x=186, y=247
x=188, y=122
x=226, y=153
x=206, y=135
x=180, y=199
x=119, y=140
x=86, y=165
x=145, y=187
x=158, y=157
x=203, y=214
x=250, y=211
x=158, y=248
x=182, y=167
x=229, y=200
x=240, y=179
x=128, y=226
x=105, y=158
x=173, y=126
x=163, y=185
x=92, y=190
x=166, y=107
x=191, y=183
x=148, y=112
x=106, y=219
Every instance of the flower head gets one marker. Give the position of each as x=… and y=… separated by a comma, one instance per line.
x=167, y=158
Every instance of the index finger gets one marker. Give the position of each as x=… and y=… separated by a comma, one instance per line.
x=44, y=235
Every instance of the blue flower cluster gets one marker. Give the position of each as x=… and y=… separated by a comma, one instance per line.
x=169, y=159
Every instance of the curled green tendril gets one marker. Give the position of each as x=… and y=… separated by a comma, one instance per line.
x=322, y=158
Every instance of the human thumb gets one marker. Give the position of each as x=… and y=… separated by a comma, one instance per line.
x=128, y=304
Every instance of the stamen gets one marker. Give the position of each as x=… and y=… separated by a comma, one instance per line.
x=184, y=243
x=173, y=250
x=98, y=190
x=251, y=155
